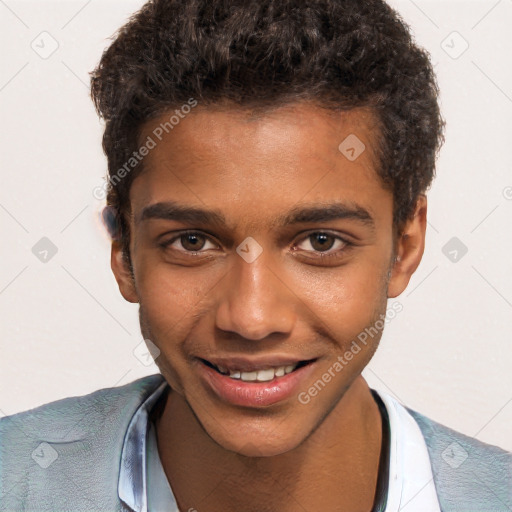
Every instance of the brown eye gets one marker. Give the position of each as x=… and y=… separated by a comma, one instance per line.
x=192, y=241
x=188, y=243
x=324, y=245
x=322, y=241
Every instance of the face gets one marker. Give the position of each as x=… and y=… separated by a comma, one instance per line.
x=260, y=248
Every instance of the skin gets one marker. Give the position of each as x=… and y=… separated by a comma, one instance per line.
x=198, y=297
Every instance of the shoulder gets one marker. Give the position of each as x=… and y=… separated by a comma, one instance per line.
x=54, y=455
x=53, y=418
x=466, y=470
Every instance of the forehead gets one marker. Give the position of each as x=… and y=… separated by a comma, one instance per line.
x=260, y=163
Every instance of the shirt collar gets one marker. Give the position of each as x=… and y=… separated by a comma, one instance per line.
x=132, y=473
x=411, y=483
x=410, y=487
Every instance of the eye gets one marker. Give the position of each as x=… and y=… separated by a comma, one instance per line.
x=190, y=241
x=321, y=242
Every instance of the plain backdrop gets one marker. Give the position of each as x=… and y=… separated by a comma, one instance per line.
x=66, y=330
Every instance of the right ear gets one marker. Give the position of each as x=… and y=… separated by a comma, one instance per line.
x=122, y=273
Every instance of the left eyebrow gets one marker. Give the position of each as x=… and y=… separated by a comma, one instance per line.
x=326, y=213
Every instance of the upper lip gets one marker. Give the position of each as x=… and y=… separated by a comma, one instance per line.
x=245, y=364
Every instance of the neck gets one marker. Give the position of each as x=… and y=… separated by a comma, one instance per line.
x=335, y=468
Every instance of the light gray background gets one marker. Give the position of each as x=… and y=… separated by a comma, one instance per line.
x=65, y=329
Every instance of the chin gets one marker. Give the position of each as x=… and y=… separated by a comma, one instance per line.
x=260, y=449
x=274, y=439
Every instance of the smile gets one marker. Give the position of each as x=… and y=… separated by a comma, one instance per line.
x=247, y=383
x=258, y=375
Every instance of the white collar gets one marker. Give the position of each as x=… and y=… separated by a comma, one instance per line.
x=410, y=487
x=411, y=483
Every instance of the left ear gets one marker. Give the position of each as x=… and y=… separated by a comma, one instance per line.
x=409, y=250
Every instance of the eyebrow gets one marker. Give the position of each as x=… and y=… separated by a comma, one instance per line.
x=326, y=213
x=316, y=213
x=171, y=210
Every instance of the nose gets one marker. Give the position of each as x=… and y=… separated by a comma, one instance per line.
x=255, y=302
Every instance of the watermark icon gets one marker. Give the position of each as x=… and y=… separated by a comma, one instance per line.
x=158, y=133
x=507, y=193
x=454, y=45
x=454, y=455
x=146, y=352
x=249, y=249
x=338, y=366
x=45, y=45
x=45, y=455
x=44, y=250
x=454, y=249
x=352, y=147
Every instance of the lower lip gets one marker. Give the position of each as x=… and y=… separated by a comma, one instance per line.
x=254, y=394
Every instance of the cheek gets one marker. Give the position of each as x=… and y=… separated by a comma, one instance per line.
x=166, y=309
x=172, y=300
x=346, y=299
x=168, y=292
x=166, y=303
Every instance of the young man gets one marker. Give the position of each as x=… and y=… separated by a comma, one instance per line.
x=268, y=164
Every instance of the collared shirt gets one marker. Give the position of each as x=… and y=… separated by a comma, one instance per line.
x=144, y=487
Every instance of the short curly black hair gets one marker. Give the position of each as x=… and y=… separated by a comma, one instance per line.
x=340, y=54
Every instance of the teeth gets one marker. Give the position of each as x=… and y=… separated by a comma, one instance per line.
x=261, y=375
x=279, y=372
x=265, y=375
x=248, y=376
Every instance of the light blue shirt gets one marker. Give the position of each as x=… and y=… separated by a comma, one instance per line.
x=144, y=487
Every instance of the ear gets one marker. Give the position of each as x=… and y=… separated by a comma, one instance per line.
x=409, y=250
x=122, y=273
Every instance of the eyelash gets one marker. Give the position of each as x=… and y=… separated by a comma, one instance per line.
x=346, y=244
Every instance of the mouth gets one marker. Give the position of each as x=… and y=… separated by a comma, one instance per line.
x=263, y=374
x=251, y=383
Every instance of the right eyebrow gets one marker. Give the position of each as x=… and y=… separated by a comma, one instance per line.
x=171, y=210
